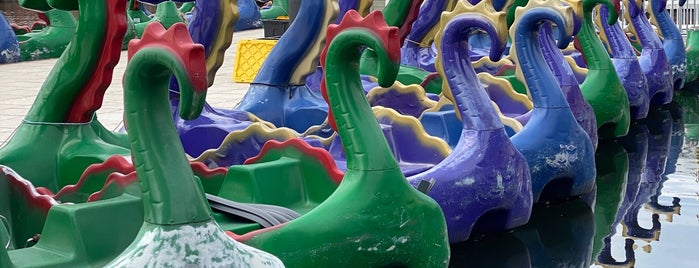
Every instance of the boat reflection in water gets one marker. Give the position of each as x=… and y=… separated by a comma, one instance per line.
x=631, y=172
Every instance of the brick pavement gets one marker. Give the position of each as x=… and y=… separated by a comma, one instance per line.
x=20, y=83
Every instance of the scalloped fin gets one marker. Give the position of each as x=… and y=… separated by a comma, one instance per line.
x=504, y=87
x=256, y=132
x=375, y=23
x=178, y=40
x=566, y=11
x=322, y=156
x=414, y=93
x=90, y=98
x=430, y=143
x=93, y=179
x=25, y=188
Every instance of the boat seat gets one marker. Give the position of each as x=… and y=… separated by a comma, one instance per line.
x=263, y=214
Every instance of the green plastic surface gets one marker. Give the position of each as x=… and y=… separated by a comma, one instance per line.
x=374, y=218
x=602, y=87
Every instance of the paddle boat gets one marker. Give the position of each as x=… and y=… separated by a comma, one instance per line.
x=60, y=130
x=50, y=41
x=673, y=43
x=516, y=108
x=653, y=60
x=406, y=221
x=279, y=8
x=626, y=63
x=557, y=149
x=278, y=94
x=484, y=185
x=163, y=171
x=602, y=88
x=249, y=16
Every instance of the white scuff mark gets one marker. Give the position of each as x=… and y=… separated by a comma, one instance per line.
x=200, y=245
x=499, y=185
x=391, y=248
x=564, y=158
x=402, y=239
x=464, y=182
x=403, y=219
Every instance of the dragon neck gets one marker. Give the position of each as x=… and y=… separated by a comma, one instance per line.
x=554, y=57
x=212, y=26
x=640, y=26
x=163, y=171
x=75, y=86
x=664, y=21
x=402, y=14
x=424, y=29
x=298, y=49
x=619, y=45
x=472, y=102
x=364, y=144
x=595, y=54
x=530, y=58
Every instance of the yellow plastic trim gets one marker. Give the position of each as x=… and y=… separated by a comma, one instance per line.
x=249, y=55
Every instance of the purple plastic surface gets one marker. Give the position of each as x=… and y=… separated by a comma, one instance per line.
x=582, y=110
x=627, y=67
x=484, y=174
x=653, y=60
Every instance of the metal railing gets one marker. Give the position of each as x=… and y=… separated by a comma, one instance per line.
x=686, y=17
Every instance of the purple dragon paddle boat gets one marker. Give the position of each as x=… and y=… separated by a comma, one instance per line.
x=626, y=64
x=653, y=60
x=559, y=152
x=485, y=179
x=582, y=110
x=503, y=95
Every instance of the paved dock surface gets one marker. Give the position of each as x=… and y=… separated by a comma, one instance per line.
x=20, y=83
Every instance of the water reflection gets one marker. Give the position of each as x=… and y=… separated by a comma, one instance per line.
x=558, y=235
x=614, y=176
x=659, y=126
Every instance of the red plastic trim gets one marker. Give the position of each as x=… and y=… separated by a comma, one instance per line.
x=91, y=96
x=250, y=235
x=116, y=162
x=319, y=154
x=179, y=42
x=30, y=193
x=120, y=179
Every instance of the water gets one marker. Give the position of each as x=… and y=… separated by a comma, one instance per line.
x=16, y=14
x=645, y=212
